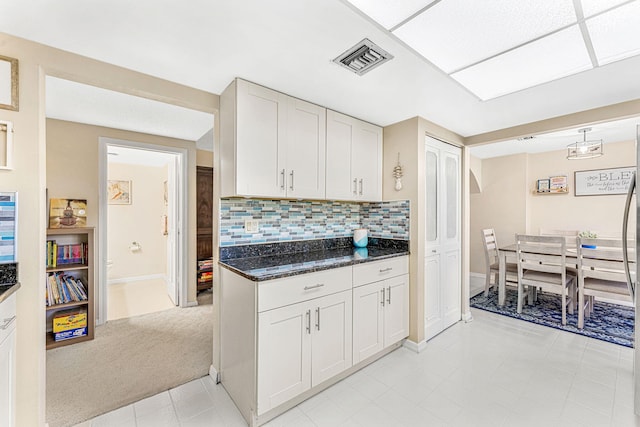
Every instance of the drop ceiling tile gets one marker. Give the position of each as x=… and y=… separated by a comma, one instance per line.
x=591, y=7
x=550, y=58
x=390, y=13
x=457, y=33
x=615, y=35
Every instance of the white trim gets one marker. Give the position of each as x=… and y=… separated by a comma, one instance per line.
x=467, y=317
x=136, y=279
x=413, y=346
x=189, y=304
x=182, y=225
x=214, y=374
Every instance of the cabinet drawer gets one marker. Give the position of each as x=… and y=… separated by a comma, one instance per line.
x=290, y=290
x=7, y=319
x=379, y=270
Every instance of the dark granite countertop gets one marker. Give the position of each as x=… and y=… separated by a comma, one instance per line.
x=7, y=290
x=275, y=266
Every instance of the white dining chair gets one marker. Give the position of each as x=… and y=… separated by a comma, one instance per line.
x=492, y=264
x=601, y=274
x=542, y=264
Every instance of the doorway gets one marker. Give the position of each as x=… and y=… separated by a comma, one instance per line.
x=443, y=236
x=142, y=206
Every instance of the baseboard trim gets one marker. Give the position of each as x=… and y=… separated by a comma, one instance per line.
x=136, y=279
x=191, y=303
x=467, y=317
x=413, y=346
x=213, y=373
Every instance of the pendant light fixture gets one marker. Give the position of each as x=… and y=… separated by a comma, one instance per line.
x=584, y=149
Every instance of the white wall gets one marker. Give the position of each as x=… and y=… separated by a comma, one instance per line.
x=139, y=222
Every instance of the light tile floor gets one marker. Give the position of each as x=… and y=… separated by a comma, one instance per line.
x=493, y=371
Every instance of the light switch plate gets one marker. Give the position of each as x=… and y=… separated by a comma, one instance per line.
x=251, y=225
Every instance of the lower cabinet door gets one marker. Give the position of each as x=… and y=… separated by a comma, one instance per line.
x=396, y=309
x=331, y=337
x=368, y=321
x=284, y=354
x=8, y=380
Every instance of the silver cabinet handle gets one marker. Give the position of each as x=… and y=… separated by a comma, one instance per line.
x=8, y=322
x=309, y=322
x=361, y=186
x=355, y=186
x=382, y=302
x=291, y=185
x=308, y=288
x=282, y=179
x=318, y=318
x=384, y=270
x=389, y=295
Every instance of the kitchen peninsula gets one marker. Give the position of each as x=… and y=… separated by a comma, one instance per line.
x=297, y=317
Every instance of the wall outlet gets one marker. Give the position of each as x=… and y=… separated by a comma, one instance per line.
x=251, y=225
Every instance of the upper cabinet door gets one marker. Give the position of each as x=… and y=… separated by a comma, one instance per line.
x=340, y=130
x=354, y=159
x=260, y=140
x=366, y=161
x=305, y=150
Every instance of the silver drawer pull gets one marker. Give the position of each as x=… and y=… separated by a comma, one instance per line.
x=384, y=270
x=8, y=322
x=308, y=288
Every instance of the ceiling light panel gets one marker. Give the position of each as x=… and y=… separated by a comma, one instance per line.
x=591, y=7
x=615, y=35
x=558, y=55
x=390, y=13
x=454, y=34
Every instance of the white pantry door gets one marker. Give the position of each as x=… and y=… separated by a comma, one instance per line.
x=443, y=241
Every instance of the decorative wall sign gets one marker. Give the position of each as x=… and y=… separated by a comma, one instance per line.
x=602, y=182
x=558, y=184
x=8, y=83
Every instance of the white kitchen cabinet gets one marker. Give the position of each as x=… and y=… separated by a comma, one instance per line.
x=302, y=345
x=272, y=145
x=381, y=308
x=354, y=159
x=8, y=362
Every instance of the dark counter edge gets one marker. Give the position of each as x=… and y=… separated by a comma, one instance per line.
x=7, y=290
x=337, y=264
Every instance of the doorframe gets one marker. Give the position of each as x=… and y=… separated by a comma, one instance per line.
x=181, y=235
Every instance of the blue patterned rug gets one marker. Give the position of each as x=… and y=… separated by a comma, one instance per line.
x=608, y=322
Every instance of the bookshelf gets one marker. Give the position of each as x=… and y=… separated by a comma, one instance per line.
x=74, y=265
x=204, y=190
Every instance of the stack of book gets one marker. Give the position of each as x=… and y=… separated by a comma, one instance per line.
x=69, y=324
x=75, y=253
x=205, y=276
x=205, y=264
x=62, y=289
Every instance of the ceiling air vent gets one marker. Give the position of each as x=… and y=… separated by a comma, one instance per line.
x=363, y=57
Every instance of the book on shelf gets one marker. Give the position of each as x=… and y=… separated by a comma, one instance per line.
x=74, y=253
x=205, y=276
x=62, y=289
x=205, y=264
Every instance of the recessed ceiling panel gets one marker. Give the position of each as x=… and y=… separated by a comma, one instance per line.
x=616, y=34
x=390, y=13
x=457, y=33
x=544, y=60
x=591, y=7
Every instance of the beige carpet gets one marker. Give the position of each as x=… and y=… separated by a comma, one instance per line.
x=136, y=298
x=128, y=360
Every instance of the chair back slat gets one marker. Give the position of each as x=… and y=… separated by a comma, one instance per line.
x=541, y=253
x=490, y=245
x=603, y=260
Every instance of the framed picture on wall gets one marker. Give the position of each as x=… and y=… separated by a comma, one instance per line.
x=8, y=83
x=558, y=184
x=543, y=186
x=119, y=192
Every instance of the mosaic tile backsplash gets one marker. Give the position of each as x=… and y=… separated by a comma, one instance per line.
x=292, y=220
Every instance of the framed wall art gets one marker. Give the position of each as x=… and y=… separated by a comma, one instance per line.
x=601, y=182
x=9, y=83
x=119, y=192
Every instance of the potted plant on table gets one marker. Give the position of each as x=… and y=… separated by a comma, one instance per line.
x=588, y=235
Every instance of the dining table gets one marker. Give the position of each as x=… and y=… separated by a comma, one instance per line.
x=508, y=254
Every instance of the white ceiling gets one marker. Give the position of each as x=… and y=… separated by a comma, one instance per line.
x=614, y=131
x=138, y=157
x=88, y=104
x=501, y=46
x=288, y=45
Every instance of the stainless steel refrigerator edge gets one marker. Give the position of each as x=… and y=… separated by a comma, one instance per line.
x=636, y=358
